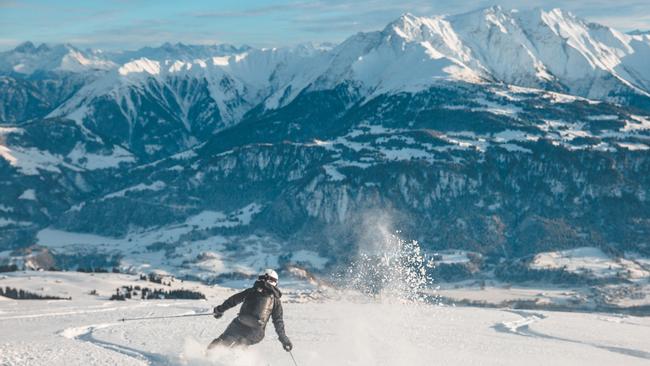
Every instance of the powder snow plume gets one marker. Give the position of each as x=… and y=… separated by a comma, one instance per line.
x=388, y=267
x=195, y=354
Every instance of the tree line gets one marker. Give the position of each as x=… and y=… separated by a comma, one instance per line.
x=145, y=293
x=18, y=294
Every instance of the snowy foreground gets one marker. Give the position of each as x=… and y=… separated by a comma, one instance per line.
x=86, y=331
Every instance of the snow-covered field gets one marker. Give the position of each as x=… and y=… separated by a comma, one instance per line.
x=332, y=330
x=592, y=261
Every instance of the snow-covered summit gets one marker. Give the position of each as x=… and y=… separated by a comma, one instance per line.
x=177, y=51
x=142, y=65
x=26, y=58
x=533, y=48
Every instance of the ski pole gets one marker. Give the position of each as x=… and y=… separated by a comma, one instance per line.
x=294, y=360
x=165, y=317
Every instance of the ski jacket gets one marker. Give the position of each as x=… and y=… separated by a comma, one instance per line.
x=260, y=302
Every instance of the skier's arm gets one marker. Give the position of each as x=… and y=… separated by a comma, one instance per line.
x=233, y=301
x=278, y=323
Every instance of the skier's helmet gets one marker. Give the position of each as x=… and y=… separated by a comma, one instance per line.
x=270, y=276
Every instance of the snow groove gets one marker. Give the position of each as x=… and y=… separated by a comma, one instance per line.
x=85, y=334
x=64, y=313
x=522, y=327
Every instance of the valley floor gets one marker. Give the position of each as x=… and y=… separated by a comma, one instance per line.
x=86, y=331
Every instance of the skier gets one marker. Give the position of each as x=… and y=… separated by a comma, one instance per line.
x=261, y=302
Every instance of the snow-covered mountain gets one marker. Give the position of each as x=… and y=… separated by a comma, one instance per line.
x=499, y=132
x=638, y=32
x=534, y=48
x=28, y=59
x=198, y=90
x=551, y=50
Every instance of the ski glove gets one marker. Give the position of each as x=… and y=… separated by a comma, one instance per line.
x=217, y=312
x=286, y=344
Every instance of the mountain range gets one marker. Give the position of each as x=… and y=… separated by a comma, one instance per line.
x=499, y=132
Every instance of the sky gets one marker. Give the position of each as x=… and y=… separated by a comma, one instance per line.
x=130, y=24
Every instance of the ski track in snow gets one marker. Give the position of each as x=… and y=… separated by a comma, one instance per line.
x=522, y=327
x=65, y=313
x=85, y=334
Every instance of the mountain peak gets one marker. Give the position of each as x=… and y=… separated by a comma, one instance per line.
x=43, y=48
x=494, y=9
x=404, y=21
x=408, y=17
x=559, y=13
x=29, y=47
x=409, y=27
x=25, y=47
x=639, y=32
x=487, y=10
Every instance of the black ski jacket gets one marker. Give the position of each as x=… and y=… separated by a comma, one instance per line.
x=260, y=302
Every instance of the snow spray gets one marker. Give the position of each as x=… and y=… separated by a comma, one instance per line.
x=195, y=354
x=384, y=297
x=388, y=267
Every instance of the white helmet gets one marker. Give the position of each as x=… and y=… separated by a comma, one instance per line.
x=269, y=275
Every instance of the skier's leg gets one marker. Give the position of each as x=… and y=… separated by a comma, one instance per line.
x=224, y=340
x=229, y=338
x=238, y=335
x=255, y=336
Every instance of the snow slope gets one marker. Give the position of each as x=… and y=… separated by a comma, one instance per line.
x=236, y=80
x=86, y=331
x=590, y=260
x=144, y=250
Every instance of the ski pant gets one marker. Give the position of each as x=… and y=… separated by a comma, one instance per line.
x=238, y=334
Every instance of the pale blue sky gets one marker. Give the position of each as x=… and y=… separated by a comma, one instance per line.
x=129, y=24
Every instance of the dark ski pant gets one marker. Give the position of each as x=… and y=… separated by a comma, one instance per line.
x=238, y=334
